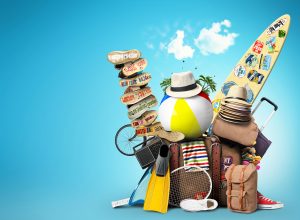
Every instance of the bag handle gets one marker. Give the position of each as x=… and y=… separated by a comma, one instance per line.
x=229, y=186
x=272, y=113
x=216, y=172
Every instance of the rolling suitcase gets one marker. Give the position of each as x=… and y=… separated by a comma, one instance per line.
x=263, y=143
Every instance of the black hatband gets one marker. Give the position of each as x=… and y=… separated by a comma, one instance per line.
x=184, y=88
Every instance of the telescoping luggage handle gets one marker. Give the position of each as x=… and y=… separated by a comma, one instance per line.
x=272, y=113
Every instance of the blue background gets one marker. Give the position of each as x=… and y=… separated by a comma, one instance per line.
x=60, y=109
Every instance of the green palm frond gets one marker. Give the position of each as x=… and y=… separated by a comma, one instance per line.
x=165, y=84
x=207, y=83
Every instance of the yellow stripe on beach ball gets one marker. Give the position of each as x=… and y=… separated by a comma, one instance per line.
x=184, y=120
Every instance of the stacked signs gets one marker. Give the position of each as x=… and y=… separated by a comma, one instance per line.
x=138, y=96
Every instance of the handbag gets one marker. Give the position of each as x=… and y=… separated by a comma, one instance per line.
x=244, y=134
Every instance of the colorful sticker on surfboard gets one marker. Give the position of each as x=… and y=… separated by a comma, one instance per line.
x=226, y=87
x=258, y=46
x=240, y=71
x=271, y=44
x=258, y=60
x=278, y=24
x=216, y=105
x=251, y=60
x=281, y=33
x=250, y=94
x=266, y=62
x=255, y=76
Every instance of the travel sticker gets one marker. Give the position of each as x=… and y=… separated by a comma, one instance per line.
x=266, y=62
x=258, y=46
x=276, y=26
x=271, y=44
x=216, y=105
x=226, y=162
x=250, y=94
x=227, y=86
x=281, y=33
x=251, y=60
x=255, y=76
x=260, y=60
x=240, y=71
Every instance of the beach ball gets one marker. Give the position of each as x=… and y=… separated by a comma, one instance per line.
x=191, y=116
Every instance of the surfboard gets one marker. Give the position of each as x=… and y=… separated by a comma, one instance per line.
x=255, y=66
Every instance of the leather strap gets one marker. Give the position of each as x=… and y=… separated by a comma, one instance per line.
x=175, y=156
x=242, y=188
x=229, y=187
x=216, y=168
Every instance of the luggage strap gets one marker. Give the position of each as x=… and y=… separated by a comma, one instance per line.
x=242, y=188
x=229, y=187
x=216, y=171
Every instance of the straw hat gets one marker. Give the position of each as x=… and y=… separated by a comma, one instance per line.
x=183, y=85
x=234, y=107
x=237, y=95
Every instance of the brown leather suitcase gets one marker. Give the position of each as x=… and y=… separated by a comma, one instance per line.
x=221, y=154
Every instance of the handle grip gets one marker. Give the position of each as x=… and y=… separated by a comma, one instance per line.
x=270, y=102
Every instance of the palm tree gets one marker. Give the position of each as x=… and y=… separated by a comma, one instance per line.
x=165, y=84
x=207, y=83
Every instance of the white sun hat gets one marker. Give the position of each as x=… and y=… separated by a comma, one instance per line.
x=183, y=85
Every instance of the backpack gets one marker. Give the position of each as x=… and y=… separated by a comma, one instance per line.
x=242, y=188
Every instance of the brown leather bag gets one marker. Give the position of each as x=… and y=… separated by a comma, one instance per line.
x=244, y=134
x=242, y=188
x=221, y=154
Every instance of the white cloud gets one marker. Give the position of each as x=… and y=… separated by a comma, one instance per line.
x=226, y=23
x=212, y=41
x=179, y=50
x=149, y=45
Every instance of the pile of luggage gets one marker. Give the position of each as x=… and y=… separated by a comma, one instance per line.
x=218, y=168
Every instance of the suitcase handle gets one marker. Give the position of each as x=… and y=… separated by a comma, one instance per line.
x=272, y=113
x=270, y=102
